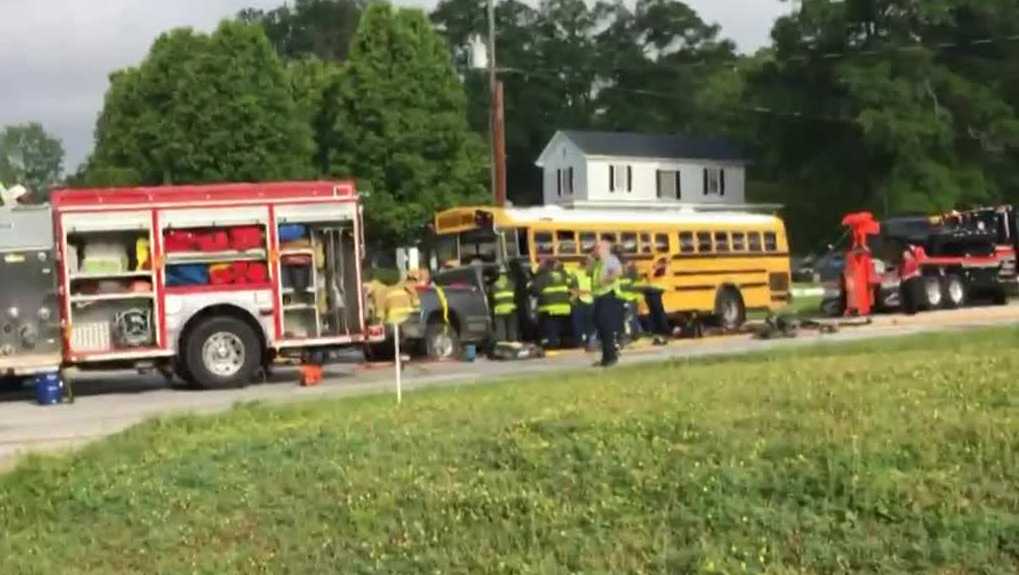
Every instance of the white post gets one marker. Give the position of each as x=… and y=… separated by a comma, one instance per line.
x=399, y=375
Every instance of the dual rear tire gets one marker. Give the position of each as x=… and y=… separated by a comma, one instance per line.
x=943, y=292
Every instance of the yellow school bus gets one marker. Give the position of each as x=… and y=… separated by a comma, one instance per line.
x=719, y=264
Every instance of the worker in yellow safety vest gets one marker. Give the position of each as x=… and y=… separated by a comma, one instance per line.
x=653, y=287
x=608, y=309
x=582, y=301
x=503, y=298
x=552, y=288
x=631, y=297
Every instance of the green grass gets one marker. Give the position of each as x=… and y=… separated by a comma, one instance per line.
x=890, y=456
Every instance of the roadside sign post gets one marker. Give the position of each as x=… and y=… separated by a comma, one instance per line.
x=399, y=366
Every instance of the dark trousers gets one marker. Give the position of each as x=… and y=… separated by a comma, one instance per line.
x=659, y=321
x=583, y=323
x=553, y=327
x=608, y=318
x=507, y=328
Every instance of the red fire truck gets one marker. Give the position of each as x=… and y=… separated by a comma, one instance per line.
x=211, y=282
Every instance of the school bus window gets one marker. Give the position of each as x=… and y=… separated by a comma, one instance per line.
x=754, y=241
x=661, y=243
x=770, y=242
x=587, y=241
x=739, y=242
x=645, y=244
x=543, y=245
x=686, y=245
x=608, y=237
x=721, y=242
x=704, y=242
x=629, y=242
x=567, y=243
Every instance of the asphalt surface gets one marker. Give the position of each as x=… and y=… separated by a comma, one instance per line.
x=110, y=402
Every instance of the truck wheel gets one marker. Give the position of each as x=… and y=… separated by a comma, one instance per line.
x=933, y=296
x=955, y=292
x=382, y=351
x=11, y=384
x=222, y=352
x=729, y=309
x=441, y=341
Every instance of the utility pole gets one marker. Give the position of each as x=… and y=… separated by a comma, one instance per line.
x=495, y=118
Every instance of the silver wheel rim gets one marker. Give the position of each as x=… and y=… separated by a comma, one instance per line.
x=442, y=345
x=933, y=292
x=223, y=354
x=955, y=290
x=730, y=312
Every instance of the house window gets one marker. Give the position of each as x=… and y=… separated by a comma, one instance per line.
x=669, y=185
x=721, y=242
x=704, y=242
x=686, y=243
x=714, y=182
x=739, y=241
x=770, y=242
x=570, y=181
x=661, y=243
x=559, y=183
x=588, y=241
x=567, y=243
x=620, y=178
x=754, y=241
x=543, y=245
x=629, y=241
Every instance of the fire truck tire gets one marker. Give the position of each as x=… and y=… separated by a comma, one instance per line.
x=222, y=352
x=954, y=291
x=10, y=384
x=933, y=295
x=730, y=313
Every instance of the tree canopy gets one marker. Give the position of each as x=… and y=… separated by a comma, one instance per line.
x=30, y=157
x=401, y=126
x=202, y=108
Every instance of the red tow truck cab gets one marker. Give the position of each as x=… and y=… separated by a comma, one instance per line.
x=213, y=281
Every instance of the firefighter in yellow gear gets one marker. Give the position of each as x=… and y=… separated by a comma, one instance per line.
x=582, y=300
x=631, y=296
x=503, y=298
x=552, y=287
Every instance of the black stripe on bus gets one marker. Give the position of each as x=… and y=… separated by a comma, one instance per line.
x=753, y=285
x=679, y=257
x=718, y=273
x=697, y=288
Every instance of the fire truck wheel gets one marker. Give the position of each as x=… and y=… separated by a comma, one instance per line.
x=730, y=313
x=933, y=295
x=955, y=291
x=10, y=384
x=222, y=352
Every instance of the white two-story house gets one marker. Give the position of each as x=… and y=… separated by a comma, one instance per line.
x=583, y=167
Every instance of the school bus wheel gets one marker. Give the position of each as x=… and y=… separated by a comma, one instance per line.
x=730, y=313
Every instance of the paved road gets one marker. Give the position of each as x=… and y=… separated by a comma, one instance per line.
x=108, y=403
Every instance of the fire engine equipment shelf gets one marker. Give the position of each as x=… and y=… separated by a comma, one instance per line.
x=110, y=297
x=214, y=257
x=119, y=275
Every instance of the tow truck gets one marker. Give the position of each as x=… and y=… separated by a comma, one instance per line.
x=960, y=258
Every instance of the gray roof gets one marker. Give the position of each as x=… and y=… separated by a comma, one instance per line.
x=632, y=145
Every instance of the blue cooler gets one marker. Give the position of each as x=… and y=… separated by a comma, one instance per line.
x=48, y=388
x=470, y=352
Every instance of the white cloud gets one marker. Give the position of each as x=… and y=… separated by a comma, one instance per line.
x=56, y=55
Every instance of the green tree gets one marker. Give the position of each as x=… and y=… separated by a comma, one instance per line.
x=401, y=127
x=890, y=118
x=202, y=108
x=30, y=157
x=319, y=28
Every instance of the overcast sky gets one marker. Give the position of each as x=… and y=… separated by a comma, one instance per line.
x=56, y=55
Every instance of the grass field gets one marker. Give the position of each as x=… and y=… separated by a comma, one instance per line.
x=890, y=456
